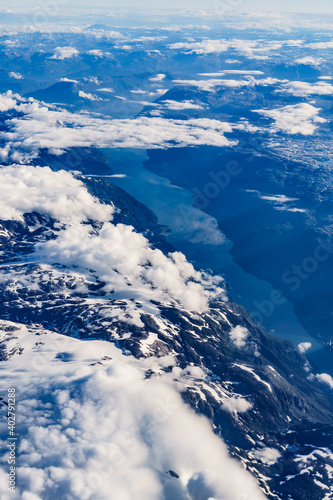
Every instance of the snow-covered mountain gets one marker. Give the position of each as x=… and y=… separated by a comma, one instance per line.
x=137, y=374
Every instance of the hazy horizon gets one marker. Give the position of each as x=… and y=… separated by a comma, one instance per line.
x=300, y=6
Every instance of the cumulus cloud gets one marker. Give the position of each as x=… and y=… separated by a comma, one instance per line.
x=64, y=53
x=101, y=429
x=236, y=405
x=56, y=131
x=122, y=258
x=16, y=76
x=294, y=119
x=325, y=378
x=130, y=267
x=304, y=346
x=6, y=101
x=58, y=194
x=238, y=335
x=303, y=89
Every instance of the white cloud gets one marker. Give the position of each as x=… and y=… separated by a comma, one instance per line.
x=121, y=257
x=64, y=53
x=294, y=119
x=233, y=72
x=178, y=106
x=279, y=201
x=325, y=378
x=251, y=49
x=65, y=79
x=57, y=194
x=321, y=45
x=236, y=405
x=311, y=61
x=58, y=130
x=303, y=89
x=105, y=431
x=268, y=456
x=210, y=83
x=90, y=97
x=304, y=346
x=98, y=53
x=16, y=76
x=105, y=90
x=238, y=335
x=6, y=101
x=277, y=198
x=157, y=78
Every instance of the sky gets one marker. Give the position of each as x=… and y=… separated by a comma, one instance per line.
x=242, y=5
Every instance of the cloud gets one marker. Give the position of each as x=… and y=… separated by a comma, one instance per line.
x=311, y=61
x=321, y=45
x=157, y=78
x=58, y=194
x=6, y=102
x=191, y=224
x=251, y=49
x=105, y=90
x=90, y=97
x=303, y=89
x=16, y=76
x=279, y=201
x=122, y=258
x=92, y=428
x=325, y=378
x=294, y=119
x=304, y=346
x=65, y=79
x=64, y=53
x=268, y=456
x=41, y=127
x=238, y=335
x=180, y=105
x=233, y=72
x=236, y=405
x=98, y=53
x=210, y=84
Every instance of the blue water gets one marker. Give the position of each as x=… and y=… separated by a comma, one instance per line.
x=197, y=235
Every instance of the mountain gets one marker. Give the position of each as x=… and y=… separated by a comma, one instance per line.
x=165, y=260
